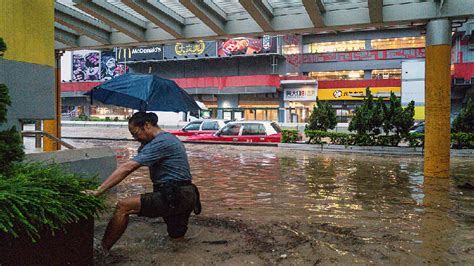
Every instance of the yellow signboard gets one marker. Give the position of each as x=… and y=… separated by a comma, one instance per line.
x=355, y=93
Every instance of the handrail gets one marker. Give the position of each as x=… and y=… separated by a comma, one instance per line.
x=52, y=137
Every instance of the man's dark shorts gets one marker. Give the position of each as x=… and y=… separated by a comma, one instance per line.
x=176, y=219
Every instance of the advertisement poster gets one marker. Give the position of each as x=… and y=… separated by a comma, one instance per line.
x=140, y=54
x=197, y=49
x=85, y=66
x=109, y=68
x=248, y=46
x=355, y=93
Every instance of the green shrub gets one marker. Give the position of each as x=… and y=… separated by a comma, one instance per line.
x=415, y=139
x=289, y=136
x=462, y=140
x=368, y=118
x=37, y=197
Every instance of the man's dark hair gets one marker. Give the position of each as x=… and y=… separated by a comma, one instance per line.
x=139, y=119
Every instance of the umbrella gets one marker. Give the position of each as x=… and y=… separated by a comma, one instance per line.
x=144, y=92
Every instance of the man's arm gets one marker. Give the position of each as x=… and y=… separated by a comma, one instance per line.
x=117, y=176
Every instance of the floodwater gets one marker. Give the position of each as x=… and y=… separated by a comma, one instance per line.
x=274, y=206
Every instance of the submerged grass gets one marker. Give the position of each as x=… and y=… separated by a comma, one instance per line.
x=37, y=196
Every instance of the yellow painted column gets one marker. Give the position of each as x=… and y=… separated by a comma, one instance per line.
x=437, y=99
x=53, y=127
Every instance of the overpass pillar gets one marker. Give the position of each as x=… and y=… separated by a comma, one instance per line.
x=437, y=99
x=53, y=127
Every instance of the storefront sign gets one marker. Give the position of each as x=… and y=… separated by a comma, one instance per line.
x=139, y=54
x=248, y=46
x=409, y=53
x=300, y=94
x=197, y=49
x=355, y=93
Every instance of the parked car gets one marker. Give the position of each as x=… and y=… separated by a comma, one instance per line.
x=244, y=131
x=198, y=127
x=418, y=128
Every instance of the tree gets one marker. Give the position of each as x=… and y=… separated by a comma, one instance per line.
x=368, y=118
x=464, y=122
x=398, y=119
x=11, y=148
x=322, y=118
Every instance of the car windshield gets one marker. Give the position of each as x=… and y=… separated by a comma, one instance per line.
x=276, y=127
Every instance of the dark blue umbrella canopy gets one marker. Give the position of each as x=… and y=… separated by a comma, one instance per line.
x=144, y=92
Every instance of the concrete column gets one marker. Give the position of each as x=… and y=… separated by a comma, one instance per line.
x=438, y=99
x=53, y=127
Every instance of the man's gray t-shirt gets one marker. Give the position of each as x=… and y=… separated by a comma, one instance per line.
x=166, y=157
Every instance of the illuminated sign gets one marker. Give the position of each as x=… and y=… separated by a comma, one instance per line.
x=300, y=94
x=355, y=93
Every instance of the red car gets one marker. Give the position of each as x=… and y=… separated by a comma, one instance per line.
x=244, y=131
x=198, y=127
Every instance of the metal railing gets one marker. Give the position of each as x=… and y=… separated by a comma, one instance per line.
x=30, y=133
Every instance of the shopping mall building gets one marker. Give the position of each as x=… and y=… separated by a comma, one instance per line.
x=279, y=77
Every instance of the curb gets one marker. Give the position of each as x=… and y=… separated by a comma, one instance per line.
x=377, y=150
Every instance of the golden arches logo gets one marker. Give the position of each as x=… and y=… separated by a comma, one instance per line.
x=124, y=53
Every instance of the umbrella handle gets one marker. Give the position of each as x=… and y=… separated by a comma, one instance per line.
x=92, y=93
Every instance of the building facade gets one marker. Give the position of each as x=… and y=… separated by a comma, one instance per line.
x=278, y=78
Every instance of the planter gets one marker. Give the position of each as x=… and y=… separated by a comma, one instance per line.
x=75, y=246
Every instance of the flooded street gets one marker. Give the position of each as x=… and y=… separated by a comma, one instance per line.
x=264, y=205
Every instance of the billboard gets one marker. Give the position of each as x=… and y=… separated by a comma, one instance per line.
x=109, y=68
x=355, y=93
x=85, y=65
x=197, y=49
x=140, y=54
x=247, y=46
x=300, y=94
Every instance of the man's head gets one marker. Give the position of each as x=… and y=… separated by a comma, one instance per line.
x=143, y=126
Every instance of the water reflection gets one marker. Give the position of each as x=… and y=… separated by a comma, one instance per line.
x=376, y=200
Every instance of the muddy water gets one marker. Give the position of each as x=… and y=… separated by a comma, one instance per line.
x=303, y=207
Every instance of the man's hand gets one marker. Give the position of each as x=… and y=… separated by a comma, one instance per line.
x=92, y=192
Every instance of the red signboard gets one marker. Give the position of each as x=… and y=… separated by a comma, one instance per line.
x=298, y=59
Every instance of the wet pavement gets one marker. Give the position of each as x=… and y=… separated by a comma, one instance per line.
x=264, y=205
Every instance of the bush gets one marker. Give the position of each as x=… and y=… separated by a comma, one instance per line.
x=462, y=140
x=37, y=196
x=368, y=118
x=289, y=136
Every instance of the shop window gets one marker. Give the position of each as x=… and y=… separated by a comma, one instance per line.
x=290, y=49
x=386, y=73
x=338, y=75
x=329, y=47
x=398, y=43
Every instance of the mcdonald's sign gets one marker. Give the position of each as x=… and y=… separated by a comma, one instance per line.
x=140, y=54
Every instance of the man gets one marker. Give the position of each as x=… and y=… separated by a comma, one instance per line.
x=174, y=197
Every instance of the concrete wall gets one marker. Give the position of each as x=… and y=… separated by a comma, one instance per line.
x=27, y=68
x=90, y=162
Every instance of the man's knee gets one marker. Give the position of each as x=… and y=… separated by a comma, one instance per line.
x=127, y=206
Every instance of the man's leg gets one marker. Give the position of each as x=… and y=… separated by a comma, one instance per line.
x=119, y=221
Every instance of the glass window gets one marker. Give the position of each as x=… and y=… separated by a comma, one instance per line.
x=253, y=129
x=290, y=49
x=231, y=130
x=397, y=43
x=338, y=75
x=386, y=73
x=210, y=125
x=328, y=47
x=193, y=126
x=276, y=127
